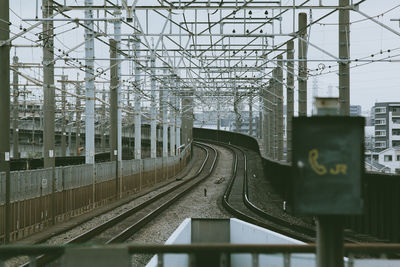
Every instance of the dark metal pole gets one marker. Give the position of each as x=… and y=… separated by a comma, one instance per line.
x=113, y=110
x=279, y=112
x=78, y=120
x=344, y=54
x=15, y=110
x=63, y=117
x=48, y=98
x=5, y=110
x=251, y=115
x=290, y=99
x=302, y=64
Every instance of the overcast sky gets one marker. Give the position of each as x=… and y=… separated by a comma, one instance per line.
x=379, y=81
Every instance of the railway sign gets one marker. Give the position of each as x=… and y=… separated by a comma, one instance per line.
x=328, y=165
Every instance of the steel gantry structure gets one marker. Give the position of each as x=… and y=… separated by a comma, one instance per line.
x=156, y=62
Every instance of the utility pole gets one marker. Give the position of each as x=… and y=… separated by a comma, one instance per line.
x=279, y=112
x=302, y=80
x=138, y=118
x=5, y=112
x=251, y=114
x=153, y=123
x=117, y=38
x=78, y=119
x=178, y=117
x=290, y=98
x=113, y=110
x=164, y=111
x=15, y=110
x=48, y=86
x=172, y=115
x=63, y=117
x=266, y=124
x=273, y=116
x=89, y=83
x=48, y=98
x=235, y=105
x=344, y=55
x=103, y=120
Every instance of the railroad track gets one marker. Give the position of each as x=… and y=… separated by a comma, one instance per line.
x=236, y=200
x=121, y=227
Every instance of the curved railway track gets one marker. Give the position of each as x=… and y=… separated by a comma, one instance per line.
x=236, y=201
x=121, y=227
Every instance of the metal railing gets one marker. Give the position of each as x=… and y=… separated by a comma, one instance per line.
x=194, y=252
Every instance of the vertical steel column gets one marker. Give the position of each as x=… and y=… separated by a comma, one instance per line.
x=153, y=123
x=138, y=118
x=63, y=117
x=279, y=112
x=178, y=115
x=290, y=99
x=78, y=120
x=273, y=131
x=266, y=125
x=48, y=86
x=15, y=110
x=5, y=111
x=114, y=83
x=172, y=115
x=344, y=54
x=235, y=105
x=164, y=111
x=89, y=84
x=103, y=122
x=117, y=38
x=251, y=115
x=49, y=99
x=302, y=80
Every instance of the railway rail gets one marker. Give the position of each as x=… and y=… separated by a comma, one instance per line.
x=121, y=227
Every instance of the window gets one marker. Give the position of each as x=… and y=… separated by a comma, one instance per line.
x=395, y=131
x=395, y=143
x=375, y=157
x=398, y=157
x=397, y=171
x=380, y=121
x=381, y=133
x=387, y=158
x=380, y=110
x=396, y=120
x=380, y=144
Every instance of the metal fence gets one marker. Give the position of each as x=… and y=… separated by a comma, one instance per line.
x=78, y=188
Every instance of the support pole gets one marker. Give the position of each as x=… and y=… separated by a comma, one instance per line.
x=48, y=86
x=103, y=124
x=117, y=38
x=164, y=111
x=178, y=119
x=302, y=64
x=172, y=115
x=114, y=110
x=49, y=99
x=138, y=118
x=251, y=115
x=273, y=132
x=89, y=83
x=279, y=112
x=344, y=54
x=290, y=99
x=187, y=118
x=15, y=110
x=63, y=117
x=78, y=120
x=153, y=123
x=5, y=112
x=330, y=241
x=266, y=125
x=235, y=106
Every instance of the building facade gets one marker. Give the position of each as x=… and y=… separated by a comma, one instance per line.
x=387, y=125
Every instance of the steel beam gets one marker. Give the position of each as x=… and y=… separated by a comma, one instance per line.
x=302, y=80
x=138, y=119
x=290, y=99
x=344, y=55
x=15, y=110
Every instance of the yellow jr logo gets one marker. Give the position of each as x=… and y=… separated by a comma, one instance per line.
x=321, y=169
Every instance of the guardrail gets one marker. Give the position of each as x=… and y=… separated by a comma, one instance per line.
x=78, y=189
x=219, y=254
